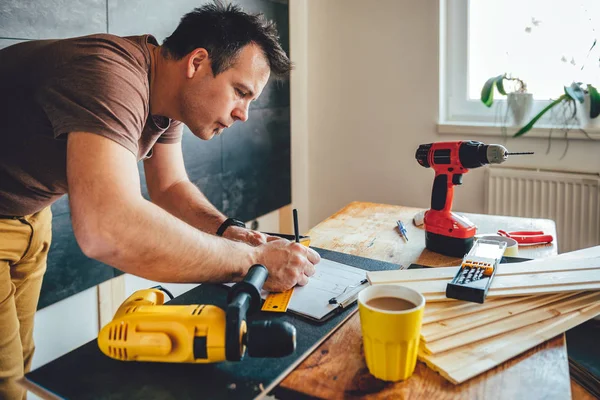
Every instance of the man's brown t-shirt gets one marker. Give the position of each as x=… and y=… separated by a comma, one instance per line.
x=48, y=88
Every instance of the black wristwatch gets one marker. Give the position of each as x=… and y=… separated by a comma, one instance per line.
x=227, y=223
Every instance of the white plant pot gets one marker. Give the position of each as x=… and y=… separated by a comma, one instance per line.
x=520, y=107
x=583, y=112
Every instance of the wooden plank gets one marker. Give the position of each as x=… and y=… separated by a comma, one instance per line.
x=434, y=308
x=545, y=290
x=433, y=298
x=509, y=324
x=466, y=362
x=579, y=392
x=546, y=279
x=453, y=305
x=37, y=389
x=562, y=263
x=111, y=295
x=286, y=220
x=448, y=327
x=438, y=307
x=454, y=309
x=513, y=282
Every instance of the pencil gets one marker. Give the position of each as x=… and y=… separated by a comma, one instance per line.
x=295, y=212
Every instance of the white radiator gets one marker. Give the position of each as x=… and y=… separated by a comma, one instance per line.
x=571, y=200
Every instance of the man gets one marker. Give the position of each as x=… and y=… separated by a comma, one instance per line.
x=77, y=116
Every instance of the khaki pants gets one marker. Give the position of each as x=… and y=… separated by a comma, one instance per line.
x=24, y=245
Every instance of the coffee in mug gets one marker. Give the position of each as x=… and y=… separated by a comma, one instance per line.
x=390, y=303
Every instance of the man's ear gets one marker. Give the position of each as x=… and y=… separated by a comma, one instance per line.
x=196, y=61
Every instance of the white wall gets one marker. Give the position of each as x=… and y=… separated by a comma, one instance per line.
x=299, y=111
x=65, y=325
x=372, y=90
x=369, y=71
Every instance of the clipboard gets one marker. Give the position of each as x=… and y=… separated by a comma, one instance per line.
x=333, y=288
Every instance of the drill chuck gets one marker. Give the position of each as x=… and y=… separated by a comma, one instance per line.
x=476, y=154
x=496, y=154
x=422, y=155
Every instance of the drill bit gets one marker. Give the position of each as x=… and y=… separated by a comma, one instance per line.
x=402, y=230
x=519, y=154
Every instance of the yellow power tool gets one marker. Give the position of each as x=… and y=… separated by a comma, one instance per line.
x=145, y=329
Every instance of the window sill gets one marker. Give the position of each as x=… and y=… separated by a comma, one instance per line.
x=488, y=129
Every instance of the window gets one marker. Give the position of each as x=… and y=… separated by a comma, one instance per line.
x=546, y=43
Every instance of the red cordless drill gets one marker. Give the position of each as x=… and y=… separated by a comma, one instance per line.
x=445, y=232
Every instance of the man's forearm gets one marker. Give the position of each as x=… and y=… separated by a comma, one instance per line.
x=142, y=239
x=185, y=201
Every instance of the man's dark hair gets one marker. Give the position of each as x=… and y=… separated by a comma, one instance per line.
x=223, y=31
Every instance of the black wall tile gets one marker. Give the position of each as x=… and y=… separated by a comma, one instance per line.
x=201, y=157
x=69, y=271
x=61, y=206
x=256, y=142
x=212, y=187
x=143, y=185
x=256, y=191
x=155, y=17
x=51, y=18
x=275, y=94
x=256, y=164
x=277, y=11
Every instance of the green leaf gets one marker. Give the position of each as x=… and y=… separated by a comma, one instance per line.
x=594, y=101
x=500, y=85
x=575, y=92
x=593, y=45
x=528, y=127
x=487, y=92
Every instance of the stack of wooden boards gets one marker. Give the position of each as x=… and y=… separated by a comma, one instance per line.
x=527, y=304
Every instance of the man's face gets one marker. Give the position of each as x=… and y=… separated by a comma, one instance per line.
x=210, y=104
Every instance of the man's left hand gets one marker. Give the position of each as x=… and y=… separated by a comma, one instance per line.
x=253, y=238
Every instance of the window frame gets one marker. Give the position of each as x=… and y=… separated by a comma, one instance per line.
x=455, y=108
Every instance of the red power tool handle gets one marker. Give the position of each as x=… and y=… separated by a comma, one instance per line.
x=528, y=237
x=444, y=158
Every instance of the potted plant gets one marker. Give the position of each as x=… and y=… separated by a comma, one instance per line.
x=519, y=101
x=576, y=93
x=590, y=108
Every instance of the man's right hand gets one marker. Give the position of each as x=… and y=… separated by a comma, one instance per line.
x=289, y=264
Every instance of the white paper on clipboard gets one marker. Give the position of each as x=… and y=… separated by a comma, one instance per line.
x=331, y=279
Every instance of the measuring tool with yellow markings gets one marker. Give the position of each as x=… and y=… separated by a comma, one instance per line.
x=279, y=301
x=476, y=272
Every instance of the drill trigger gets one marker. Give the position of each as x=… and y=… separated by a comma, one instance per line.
x=457, y=179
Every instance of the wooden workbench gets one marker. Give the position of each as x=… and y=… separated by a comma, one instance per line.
x=337, y=368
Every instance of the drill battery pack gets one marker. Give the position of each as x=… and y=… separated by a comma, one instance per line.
x=476, y=271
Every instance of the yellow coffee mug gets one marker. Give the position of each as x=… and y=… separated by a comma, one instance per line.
x=391, y=337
